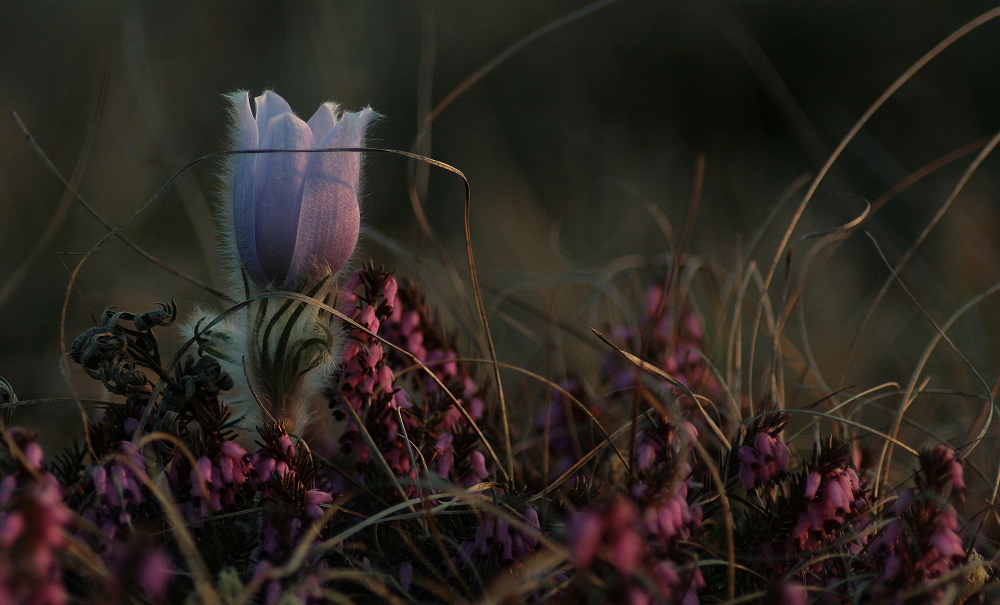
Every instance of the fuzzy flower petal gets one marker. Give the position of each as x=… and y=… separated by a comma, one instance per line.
x=296, y=216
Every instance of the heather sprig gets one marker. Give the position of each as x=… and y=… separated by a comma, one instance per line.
x=33, y=524
x=413, y=422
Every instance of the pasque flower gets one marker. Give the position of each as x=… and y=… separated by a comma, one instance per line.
x=295, y=215
x=293, y=221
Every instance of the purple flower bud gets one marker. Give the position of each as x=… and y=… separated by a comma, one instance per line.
x=445, y=460
x=33, y=454
x=155, y=573
x=232, y=449
x=100, y=476
x=444, y=442
x=296, y=215
x=205, y=466
x=646, y=455
x=531, y=516
x=389, y=291
x=314, y=498
x=781, y=455
x=746, y=455
x=587, y=531
x=948, y=544
x=812, y=484
x=286, y=445
x=764, y=444
x=11, y=527
x=627, y=549
x=477, y=461
x=7, y=487
x=409, y=323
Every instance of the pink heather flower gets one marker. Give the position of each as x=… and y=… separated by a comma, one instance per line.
x=234, y=463
x=7, y=486
x=205, y=470
x=313, y=499
x=626, y=550
x=617, y=529
x=763, y=457
x=812, y=484
x=295, y=215
x=496, y=541
x=33, y=454
x=478, y=463
x=832, y=496
x=155, y=573
x=587, y=531
x=286, y=444
x=32, y=534
x=11, y=527
x=674, y=587
x=946, y=456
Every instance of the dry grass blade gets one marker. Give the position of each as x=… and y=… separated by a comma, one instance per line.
x=68, y=197
x=114, y=231
x=890, y=91
x=941, y=334
x=884, y=199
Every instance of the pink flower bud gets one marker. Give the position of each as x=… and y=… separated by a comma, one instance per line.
x=313, y=499
x=410, y=321
x=764, y=444
x=626, y=551
x=478, y=464
x=812, y=484
x=33, y=453
x=587, y=530
x=154, y=574
x=389, y=291
x=11, y=527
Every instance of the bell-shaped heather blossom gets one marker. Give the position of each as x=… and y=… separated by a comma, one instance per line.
x=763, y=459
x=214, y=483
x=406, y=575
x=117, y=489
x=295, y=215
x=613, y=533
x=831, y=496
x=942, y=470
x=616, y=535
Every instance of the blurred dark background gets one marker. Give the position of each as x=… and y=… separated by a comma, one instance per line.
x=567, y=144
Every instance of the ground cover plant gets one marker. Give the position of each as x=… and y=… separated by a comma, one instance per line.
x=323, y=428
